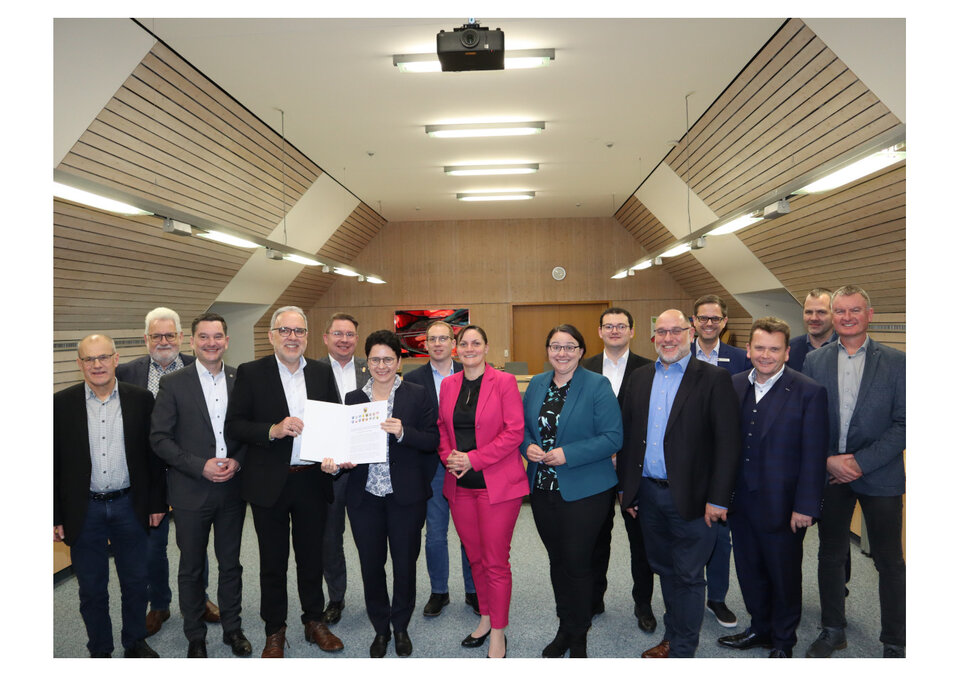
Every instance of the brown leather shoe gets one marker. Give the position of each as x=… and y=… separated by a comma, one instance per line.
x=155, y=620
x=275, y=643
x=662, y=649
x=211, y=613
x=317, y=632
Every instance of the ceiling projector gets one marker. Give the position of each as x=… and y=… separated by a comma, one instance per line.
x=470, y=47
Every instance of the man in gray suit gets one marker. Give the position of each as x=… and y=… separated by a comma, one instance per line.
x=866, y=396
x=351, y=374
x=187, y=433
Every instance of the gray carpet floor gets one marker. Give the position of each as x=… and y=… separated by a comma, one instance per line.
x=532, y=615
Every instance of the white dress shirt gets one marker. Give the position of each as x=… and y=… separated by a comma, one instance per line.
x=215, y=394
x=295, y=390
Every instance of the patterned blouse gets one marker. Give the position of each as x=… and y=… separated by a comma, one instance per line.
x=378, y=474
x=546, y=478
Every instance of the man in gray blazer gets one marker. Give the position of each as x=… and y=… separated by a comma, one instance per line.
x=866, y=396
x=187, y=433
x=351, y=374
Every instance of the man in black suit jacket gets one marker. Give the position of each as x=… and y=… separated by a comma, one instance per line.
x=617, y=362
x=187, y=433
x=677, y=470
x=265, y=414
x=107, y=486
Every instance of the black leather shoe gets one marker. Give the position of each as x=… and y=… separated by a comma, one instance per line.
x=332, y=613
x=472, y=601
x=140, y=649
x=403, y=646
x=558, y=646
x=238, y=643
x=745, y=640
x=578, y=646
x=779, y=652
x=197, y=648
x=645, y=619
x=472, y=641
x=891, y=650
x=435, y=604
x=379, y=646
x=829, y=640
x=100, y=654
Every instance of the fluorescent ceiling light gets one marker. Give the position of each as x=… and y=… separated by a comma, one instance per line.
x=620, y=275
x=346, y=272
x=484, y=129
x=642, y=266
x=224, y=238
x=495, y=196
x=491, y=169
x=736, y=224
x=96, y=201
x=676, y=251
x=858, y=169
x=303, y=260
x=513, y=59
x=375, y=280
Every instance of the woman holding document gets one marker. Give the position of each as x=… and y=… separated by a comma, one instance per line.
x=387, y=501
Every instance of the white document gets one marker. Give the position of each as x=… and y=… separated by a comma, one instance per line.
x=344, y=433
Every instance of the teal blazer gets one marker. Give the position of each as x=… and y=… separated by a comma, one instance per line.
x=590, y=431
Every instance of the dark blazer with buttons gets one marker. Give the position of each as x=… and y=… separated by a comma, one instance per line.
x=733, y=359
x=701, y=445
x=791, y=448
x=182, y=435
x=634, y=361
x=71, y=457
x=412, y=462
x=135, y=371
x=878, y=428
x=423, y=376
x=256, y=403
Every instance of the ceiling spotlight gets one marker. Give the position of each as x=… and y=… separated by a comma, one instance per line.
x=495, y=196
x=658, y=261
x=490, y=169
x=698, y=243
x=631, y=272
x=325, y=268
x=361, y=278
x=484, y=129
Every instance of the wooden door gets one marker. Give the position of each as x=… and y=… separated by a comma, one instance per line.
x=531, y=323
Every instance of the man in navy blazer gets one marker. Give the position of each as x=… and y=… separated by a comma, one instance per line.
x=818, y=320
x=202, y=487
x=616, y=363
x=710, y=320
x=866, y=397
x=783, y=423
x=440, y=340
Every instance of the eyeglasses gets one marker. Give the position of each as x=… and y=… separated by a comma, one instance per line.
x=709, y=320
x=437, y=339
x=341, y=334
x=675, y=331
x=157, y=337
x=611, y=327
x=285, y=331
x=90, y=361
x=556, y=348
x=386, y=361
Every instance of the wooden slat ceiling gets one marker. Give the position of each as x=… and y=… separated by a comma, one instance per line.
x=793, y=108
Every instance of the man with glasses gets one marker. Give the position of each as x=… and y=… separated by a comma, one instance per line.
x=710, y=320
x=107, y=486
x=162, y=336
x=286, y=494
x=351, y=374
x=677, y=470
x=616, y=363
x=440, y=343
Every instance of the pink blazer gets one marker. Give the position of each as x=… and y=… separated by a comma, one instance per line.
x=499, y=431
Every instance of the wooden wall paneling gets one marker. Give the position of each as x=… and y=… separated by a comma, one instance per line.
x=643, y=225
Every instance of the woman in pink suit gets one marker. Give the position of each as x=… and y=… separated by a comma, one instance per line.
x=481, y=428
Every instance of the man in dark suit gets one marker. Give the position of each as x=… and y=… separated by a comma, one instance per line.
x=677, y=470
x=162, y=336
x=710, y=320
x=818, y=319
x=107, y=486
x=440, y=340
x=265, y=414
x=783, y=423
x=866, y=397
x=202, y=488
x=351, y=374
x=616, y=363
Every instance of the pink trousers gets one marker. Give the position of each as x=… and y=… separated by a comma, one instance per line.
x=486, y=531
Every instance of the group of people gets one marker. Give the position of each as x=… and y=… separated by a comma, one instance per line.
x=707, y=442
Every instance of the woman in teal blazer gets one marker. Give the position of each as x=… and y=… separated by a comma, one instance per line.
x=572, y=428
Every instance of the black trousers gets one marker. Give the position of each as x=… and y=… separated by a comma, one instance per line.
x=375, y=522
x=224, y=511
x=569, y=531
x=301, y=504
x=639, y=566
x=884, y=518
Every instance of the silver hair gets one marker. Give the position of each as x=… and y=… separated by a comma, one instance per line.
x=160, y=313
x=288, y=308
x=850, y=290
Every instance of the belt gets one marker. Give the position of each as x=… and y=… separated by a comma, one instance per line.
x=299, y=468
x=662, y=483
x=112, y=495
